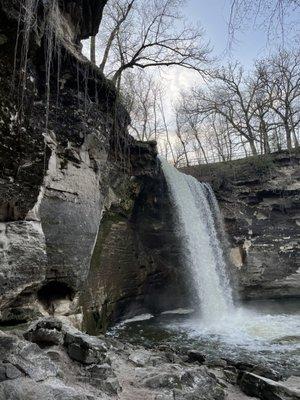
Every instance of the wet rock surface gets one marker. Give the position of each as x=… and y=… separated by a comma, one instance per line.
x=136, y=266
x=264, y=388
x=105, y=368
x=196, y=356
x=82, y=367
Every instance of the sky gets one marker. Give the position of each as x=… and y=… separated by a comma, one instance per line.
x=213, y=15
x=252, y=41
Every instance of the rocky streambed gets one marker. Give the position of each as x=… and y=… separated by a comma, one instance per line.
x=53, y=360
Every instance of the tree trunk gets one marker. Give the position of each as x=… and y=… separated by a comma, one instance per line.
x=277, y=140
x=245, y=149
x=288, y=136
x=184, y=151
x=93, y=49
x=266, y=144
x=107, y=49
x=201, y=147
x=296, y=141
x=253, y=148
x=265, y=139
x=162, y=112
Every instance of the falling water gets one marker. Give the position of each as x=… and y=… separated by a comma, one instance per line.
x=196, y=215
x=214, y=205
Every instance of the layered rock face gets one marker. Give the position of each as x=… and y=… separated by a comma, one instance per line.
x=259, y=198
x=55, y=142
x=136, y=266
x=67, y=160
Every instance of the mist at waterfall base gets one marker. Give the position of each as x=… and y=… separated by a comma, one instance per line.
x=265, y=331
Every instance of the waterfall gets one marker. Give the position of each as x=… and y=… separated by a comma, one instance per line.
x=197, y=214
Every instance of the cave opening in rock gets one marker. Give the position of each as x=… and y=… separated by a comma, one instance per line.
x=53, y=292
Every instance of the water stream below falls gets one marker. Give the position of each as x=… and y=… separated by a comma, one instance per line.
x=265, y=332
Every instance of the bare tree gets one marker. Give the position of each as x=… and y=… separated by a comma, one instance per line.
x=192, y=122
x=183, y=136
x=149, y=33
x=181, y=157
x=142, y=96
x=237, y=112
x=116, y=13
x=272, y=15
x=93, y=49
x=231, y=96
x=261, y=112
x=281, y=81
x=169, y=144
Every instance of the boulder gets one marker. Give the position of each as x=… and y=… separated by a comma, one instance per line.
x=230, y=376
x=22, y=358
x=45, y=332
x=84, y=348
x=102, y=371
x=267, y=389
x=140, y=358
x=261, y=370
x=27, y=389
x=12, y=372
x=112, y=385
x=163, y=380
x=196, y=356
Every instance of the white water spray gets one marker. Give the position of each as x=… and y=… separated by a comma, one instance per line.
x=197, y=213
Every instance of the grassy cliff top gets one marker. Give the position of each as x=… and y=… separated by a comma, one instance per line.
x=250, y=169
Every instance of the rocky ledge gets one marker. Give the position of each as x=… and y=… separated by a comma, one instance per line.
x=52, y=360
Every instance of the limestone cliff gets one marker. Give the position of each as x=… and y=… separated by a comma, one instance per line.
x=259, y=198
x=136, y=266
x=65, y=157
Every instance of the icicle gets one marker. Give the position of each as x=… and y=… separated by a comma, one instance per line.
x=85, y=89
x=52, y=47
x=48, y=60
x=16, y=49
x=77, y=81
x=58, y=53
x=27, y=19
